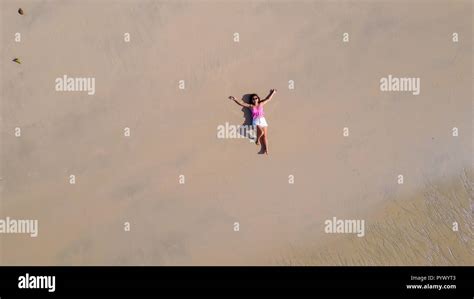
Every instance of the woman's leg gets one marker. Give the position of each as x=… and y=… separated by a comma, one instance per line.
x=259, y=135
x=265, y=139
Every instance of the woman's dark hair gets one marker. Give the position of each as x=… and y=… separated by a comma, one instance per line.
x=254, y=95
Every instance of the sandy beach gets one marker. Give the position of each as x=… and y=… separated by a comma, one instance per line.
x=171, y=192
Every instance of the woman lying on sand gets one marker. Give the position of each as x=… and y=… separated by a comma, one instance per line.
x=258, y=118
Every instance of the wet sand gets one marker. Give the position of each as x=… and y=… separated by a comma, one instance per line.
x=430, y=227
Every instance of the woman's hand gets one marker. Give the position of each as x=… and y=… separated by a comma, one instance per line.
x=240, y=103
x=273, y=90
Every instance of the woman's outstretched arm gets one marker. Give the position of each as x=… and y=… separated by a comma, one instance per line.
x=269, y=96
x=240, y=103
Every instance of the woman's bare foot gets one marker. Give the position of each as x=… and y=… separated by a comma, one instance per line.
x=257, y=141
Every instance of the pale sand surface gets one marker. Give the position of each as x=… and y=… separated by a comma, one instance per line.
x=135, y=179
